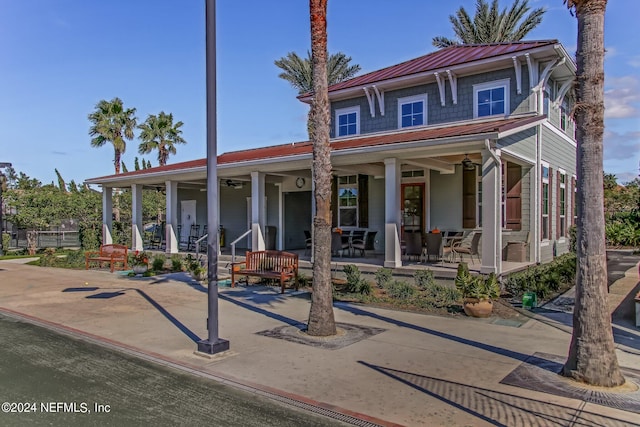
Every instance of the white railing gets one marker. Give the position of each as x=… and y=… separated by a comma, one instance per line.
x=233, y=245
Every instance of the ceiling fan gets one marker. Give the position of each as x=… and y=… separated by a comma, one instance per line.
x=467, y=163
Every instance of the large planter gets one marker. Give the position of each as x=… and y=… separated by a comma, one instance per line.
x=199, y=276
x=140, y=268
x=475, y=307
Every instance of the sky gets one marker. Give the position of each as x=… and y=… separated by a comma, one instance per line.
x=59, y=58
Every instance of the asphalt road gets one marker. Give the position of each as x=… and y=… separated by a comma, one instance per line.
x=55, y=380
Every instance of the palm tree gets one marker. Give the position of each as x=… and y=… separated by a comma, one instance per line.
x=298, y=72
x=592, y=358
x=491, y=26
x=159, y=133
x=111, y=122
x=321, y=319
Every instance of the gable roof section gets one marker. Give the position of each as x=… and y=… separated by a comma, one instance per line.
x=437, y=61
x=479, y=129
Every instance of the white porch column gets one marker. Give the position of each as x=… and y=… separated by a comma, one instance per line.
x=107, y=215
x=280, y=241
x=491, y=213
x=137, y=243
x=257, y=211
x=392, y=179
x=171, y=227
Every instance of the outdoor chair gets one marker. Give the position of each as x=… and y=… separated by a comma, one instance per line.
x=194, y=234
x=413, y=245
x=308, y=241
x=339, y=243
x=434, y=246
x=458, y=248
x=366, y=244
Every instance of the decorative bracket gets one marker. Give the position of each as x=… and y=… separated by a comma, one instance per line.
x=562, y=92
x=380, y=96
x=440, y=82
x=518, y=69
x=453, y=82
x=372, y=104
x=532, y=65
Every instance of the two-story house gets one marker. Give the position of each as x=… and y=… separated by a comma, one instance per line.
x=471, y=137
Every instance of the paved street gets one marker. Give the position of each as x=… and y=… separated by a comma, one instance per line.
x=104, y=387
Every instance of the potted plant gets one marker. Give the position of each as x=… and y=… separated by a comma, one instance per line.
x=196, y=269
x=477, y=291
x=140, y=262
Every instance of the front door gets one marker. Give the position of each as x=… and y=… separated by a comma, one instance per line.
x=413, y=207
x=188, y=218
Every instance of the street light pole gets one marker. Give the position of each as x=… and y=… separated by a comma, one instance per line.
x=213, y=344
x=2, y=166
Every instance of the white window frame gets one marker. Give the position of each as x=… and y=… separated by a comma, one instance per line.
x=353, y=185
x=343, y=111
x=409, y=100
x=504, y=83
x=545, y=181
x=563, y=203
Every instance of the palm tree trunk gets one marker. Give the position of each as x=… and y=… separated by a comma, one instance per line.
x=321, y=319
x=116, y=160
x=592, y=357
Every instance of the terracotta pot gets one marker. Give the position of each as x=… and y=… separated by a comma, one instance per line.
x=477, y=308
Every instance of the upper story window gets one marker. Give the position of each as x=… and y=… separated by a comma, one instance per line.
x=491, y=99
x=412, y=111
x=348, y=121
x=564, y=116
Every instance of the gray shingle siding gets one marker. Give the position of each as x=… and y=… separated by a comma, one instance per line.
x=560, y=154
x=436, y=113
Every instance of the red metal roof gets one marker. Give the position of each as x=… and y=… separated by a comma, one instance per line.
x=438, y=60
x=306, y=148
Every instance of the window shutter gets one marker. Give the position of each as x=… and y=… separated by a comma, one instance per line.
x=550, y=203
x=469, y=199
x=514, y=196
x=334, y=201
x=558, y=205
x=363, y=201
x=574, y=202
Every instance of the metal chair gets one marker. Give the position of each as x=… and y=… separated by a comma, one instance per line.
x=413, y=245
x=366, y=244
x=307, y=242
x=433, y=246
x=459, y=249
x=339, y=243
x=194, y=234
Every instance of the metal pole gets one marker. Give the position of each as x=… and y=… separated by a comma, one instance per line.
x=213, y=344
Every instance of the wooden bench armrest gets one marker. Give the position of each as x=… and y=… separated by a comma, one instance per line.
x=91, y=253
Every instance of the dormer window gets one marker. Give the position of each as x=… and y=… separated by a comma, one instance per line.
x=412, y=111
x=348, y=121
x=491, y=99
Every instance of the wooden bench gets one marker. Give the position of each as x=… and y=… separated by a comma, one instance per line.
x=268, y=265
x=108, y=253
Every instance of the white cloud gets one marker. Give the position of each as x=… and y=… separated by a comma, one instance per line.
x=622, y=97
x=621, y=146
x=610, y=52
x=634, y=61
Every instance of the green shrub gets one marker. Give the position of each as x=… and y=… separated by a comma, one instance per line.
x=6, y=241
x=48, y=258
x=424, y=279
x=158, y=262
x=401, y=290
x=439, y=296
x=75, y=259
x=383, y=277
x=303, y=280
x=355, y=282
x=545, y=279
x=176, y=262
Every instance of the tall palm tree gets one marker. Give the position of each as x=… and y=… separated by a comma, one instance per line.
x=592, y=358
x=299, y=72
x=489, y=25
x=111, y=122
x=159, y=133
x=321, y=319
